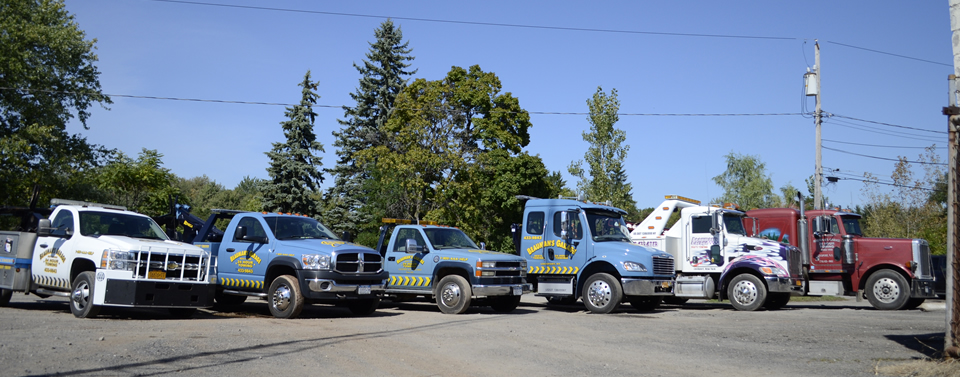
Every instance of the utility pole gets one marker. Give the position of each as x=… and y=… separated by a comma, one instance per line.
x=812, y=84
x=953, y=203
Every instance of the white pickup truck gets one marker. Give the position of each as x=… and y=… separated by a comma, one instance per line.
x=101, y=255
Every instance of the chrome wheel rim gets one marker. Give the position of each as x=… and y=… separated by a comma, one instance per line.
x=281, y=297
x=81, y=295
x=450, y=294
x=745, y=292
x=886, y=290
x=599, y=293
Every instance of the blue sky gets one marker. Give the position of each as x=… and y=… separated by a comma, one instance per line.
x=181, y=50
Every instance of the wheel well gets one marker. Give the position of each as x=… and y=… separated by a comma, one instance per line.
x=863, y=281
x=274, y=271
x=722, y=288
x=80, y=266
x=594, y=268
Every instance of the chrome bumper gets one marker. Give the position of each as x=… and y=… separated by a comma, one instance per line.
x=326, y=285
x=783, y=285
x=501, y=290
x=646, y=287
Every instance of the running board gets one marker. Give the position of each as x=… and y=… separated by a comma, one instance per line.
x=53, y=293
x=251, y=294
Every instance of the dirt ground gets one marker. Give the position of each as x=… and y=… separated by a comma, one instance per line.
x=849, y=338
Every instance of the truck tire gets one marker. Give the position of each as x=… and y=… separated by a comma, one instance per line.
x=645, y=303
x=746, y=292
x=602, y=293
x=81, y=296
x=5, y=295
x=364, y=307
x=504, y=304
x=454, y=294
x=284, y=298
x=777, y=301
x=913, y=303
x=887, y=290
x=182, y=313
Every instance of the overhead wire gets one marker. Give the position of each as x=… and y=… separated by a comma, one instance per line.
x=876, y=145
x=883, y=158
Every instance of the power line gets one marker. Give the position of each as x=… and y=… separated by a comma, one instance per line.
x=884, y=158
x=875, y=145
x=887, y=124
x=541, y=27
x=889, y=184
x=862, y=128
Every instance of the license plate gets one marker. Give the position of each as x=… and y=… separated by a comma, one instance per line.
x=157, y=275
x=517, y=291
x=363, y=289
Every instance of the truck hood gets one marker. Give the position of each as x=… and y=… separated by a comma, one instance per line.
x=475, y=253
x=130, y=243
x=627, y=250
x=736, y=246
x=325, y=246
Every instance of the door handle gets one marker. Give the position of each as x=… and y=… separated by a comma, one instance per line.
x=391, y=259
x=43, y=246
x=230, y=249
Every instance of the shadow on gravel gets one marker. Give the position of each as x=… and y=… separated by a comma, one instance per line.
x=193, y=364
x=927, y=344
x=258, y=309
x=426, y=306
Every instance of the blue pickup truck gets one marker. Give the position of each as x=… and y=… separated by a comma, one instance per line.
x=426, y=259
x=289, y=260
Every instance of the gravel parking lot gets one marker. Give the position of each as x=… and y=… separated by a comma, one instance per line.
x=823, y=338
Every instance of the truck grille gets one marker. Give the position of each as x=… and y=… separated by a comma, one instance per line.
x=358, y=263
x=922, y=254
x=662, y=266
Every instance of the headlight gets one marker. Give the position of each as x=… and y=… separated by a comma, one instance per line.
x=634, y=266
x=316, y=262
x=773, y=271
x=486, y=264
x=118, y=260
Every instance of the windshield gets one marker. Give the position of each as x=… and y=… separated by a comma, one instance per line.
x=607, y=226
x=449, y=238
x=97, y=224
x=734, y=224
x=851, y=225
x=297, y=228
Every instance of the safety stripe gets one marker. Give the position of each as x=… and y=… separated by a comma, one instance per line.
x=409, y=281
x=241, y=283
x=558, y=270
x=49, y=281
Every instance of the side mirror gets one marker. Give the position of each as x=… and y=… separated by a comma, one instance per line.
x=44, y=228
x=412, y=247
x=346, y=236
x=483, y=246
x=821, y=225
x=715, y=256
x=564, y=225
x=715, y=223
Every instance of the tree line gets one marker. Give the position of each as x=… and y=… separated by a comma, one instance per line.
x=449, y=150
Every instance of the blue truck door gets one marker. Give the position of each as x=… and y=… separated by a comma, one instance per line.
x=410, y=270
x=243, y=263
x=564, y=247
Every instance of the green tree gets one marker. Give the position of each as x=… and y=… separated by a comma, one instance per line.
x=605, y=178
x=294, y=170
x=745, y=182
x=141, y=185
x=382, y=78
x=558, y=186
x=47, y=76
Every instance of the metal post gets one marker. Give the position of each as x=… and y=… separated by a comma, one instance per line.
x=953, y=246
x=818, y=174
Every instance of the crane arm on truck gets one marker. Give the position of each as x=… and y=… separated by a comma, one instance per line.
x=656, y=221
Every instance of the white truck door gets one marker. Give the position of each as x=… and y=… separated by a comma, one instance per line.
x=51, y=258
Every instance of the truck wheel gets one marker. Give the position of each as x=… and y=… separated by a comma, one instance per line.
x=223, y=299
x=364, y=307
x=504, y=304
x=453, y=296
x=182, y=313
x=284, y=298
x=912, y=303
x=81, y=298
x=777, y=301
x=602, y=293
x=887, y=290
x=645, y=303
x=747, y=292
x=5, y=295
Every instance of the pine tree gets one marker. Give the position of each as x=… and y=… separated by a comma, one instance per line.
x=295, y=174
x=382, y=79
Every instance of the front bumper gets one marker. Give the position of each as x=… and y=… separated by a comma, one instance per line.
x=158, y=294
x=923, y=288
x=777, y=284
x=502, y=290
x=647, y=287
x=330, y=285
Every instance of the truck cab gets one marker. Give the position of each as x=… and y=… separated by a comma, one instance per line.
x=581, y=250
x=289, y=260
x=715, y=258
x=838, y=260
x=426, y=259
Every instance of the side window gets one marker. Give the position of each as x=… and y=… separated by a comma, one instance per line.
x=403, y=235
x=535, y=223
x=701, y=224
x=575, y=227
x=62, y=223
x=254, y=228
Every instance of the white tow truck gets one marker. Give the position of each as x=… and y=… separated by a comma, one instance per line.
x=102, y=255
x=716, y=259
